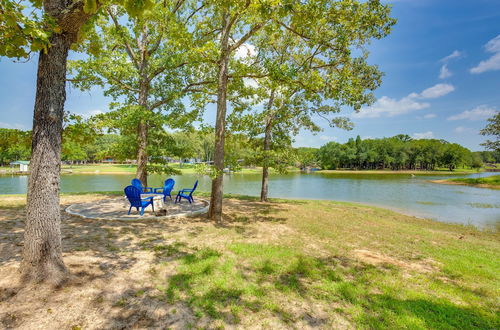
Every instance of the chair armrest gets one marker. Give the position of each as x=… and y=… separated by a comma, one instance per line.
x=185, y=190
x=147, y=198
x=145, y=189
x=157, y=189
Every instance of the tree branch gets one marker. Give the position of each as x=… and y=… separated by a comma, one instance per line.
x=247, y=36
x=128, y=48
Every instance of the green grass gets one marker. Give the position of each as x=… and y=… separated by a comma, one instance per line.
x=493, y=180
x=322, y=264
x=314, y=264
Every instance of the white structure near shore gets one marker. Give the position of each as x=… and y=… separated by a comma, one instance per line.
x=23, y=165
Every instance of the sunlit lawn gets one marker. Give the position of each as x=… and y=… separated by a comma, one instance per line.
x=283, y=264
x=493, y=180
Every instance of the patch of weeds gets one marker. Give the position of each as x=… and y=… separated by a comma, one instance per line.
x=81, y=248
x=242, y=219
x=153, y=271
x=168, y=250
x=428, y=203
x=122, y=302
x=112, y=248
x=484, y=205
x=139, y=293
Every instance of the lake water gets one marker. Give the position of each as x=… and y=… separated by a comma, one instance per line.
x=401, y=192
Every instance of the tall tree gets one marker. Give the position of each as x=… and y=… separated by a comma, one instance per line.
x=147, y=64
x=51, y=28
x=492, y=129
x=309, y=69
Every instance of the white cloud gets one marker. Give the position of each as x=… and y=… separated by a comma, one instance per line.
x=424, y=135
x=478, y=113
x=89, y=113
x=462, y=129
x=328, y=138
x=453, y=55
x=389, y=107
x=429, y=116
x=245, y=50
x=493, y=63
x=445, y=72
x=12, y=126
x=437, y=91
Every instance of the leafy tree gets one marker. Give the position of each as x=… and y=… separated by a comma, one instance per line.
x=493, y=128
x=395, y=153
x=77, y=135
x=147, y=64
x=307, y=157
x=14, y=145
x=51, y=27
x=305, y=51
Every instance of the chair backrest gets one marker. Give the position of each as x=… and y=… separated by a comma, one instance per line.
x=194, y=187
x=133, y=195
x=137, y=183
x=169, y=185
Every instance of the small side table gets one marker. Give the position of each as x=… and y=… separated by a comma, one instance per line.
x=157, y=201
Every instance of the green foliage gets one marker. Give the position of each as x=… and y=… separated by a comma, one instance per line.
x=493, y=180
x=23, y=31
x=78, y=134
x=493, y=129
x=14, y=145
x=397, y=153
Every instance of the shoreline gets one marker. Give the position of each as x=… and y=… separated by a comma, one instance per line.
x=257, y=171
x=250, y=198
x=456, y=183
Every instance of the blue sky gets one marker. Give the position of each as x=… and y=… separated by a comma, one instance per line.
x=442, y=78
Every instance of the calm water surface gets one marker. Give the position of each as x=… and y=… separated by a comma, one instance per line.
x=401, y=192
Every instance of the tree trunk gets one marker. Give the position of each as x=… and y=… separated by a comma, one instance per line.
x=215, y=211
x=142, y=153
x=42, y=254
x=267, y=147
x=142, y=127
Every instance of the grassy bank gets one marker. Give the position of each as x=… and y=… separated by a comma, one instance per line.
x=492, y=182
x=189, y=168
x=285, y=264
x=130, y=169
x=415, y=172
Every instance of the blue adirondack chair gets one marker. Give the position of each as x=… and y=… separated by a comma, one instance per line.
x=138, y=184
x=167, y=189
x=134, y=197
x=187, y=194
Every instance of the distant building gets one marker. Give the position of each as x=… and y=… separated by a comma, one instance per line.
x=23, y=165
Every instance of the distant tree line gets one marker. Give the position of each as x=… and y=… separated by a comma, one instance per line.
x=400, y=152
x=83, y=143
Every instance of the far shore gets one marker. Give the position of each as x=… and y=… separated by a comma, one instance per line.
x=466, y=183
x=129, y=169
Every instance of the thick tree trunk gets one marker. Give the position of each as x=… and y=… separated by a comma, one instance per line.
x=215, y=211
x=267, y=147
x=42, y=254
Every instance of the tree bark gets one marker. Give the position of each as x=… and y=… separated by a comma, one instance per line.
x=142, y=127
x=42, y=253
x=215, y=211
x=142, y=153
x=267, y=147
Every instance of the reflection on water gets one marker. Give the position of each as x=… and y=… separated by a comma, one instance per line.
x=401, y=192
